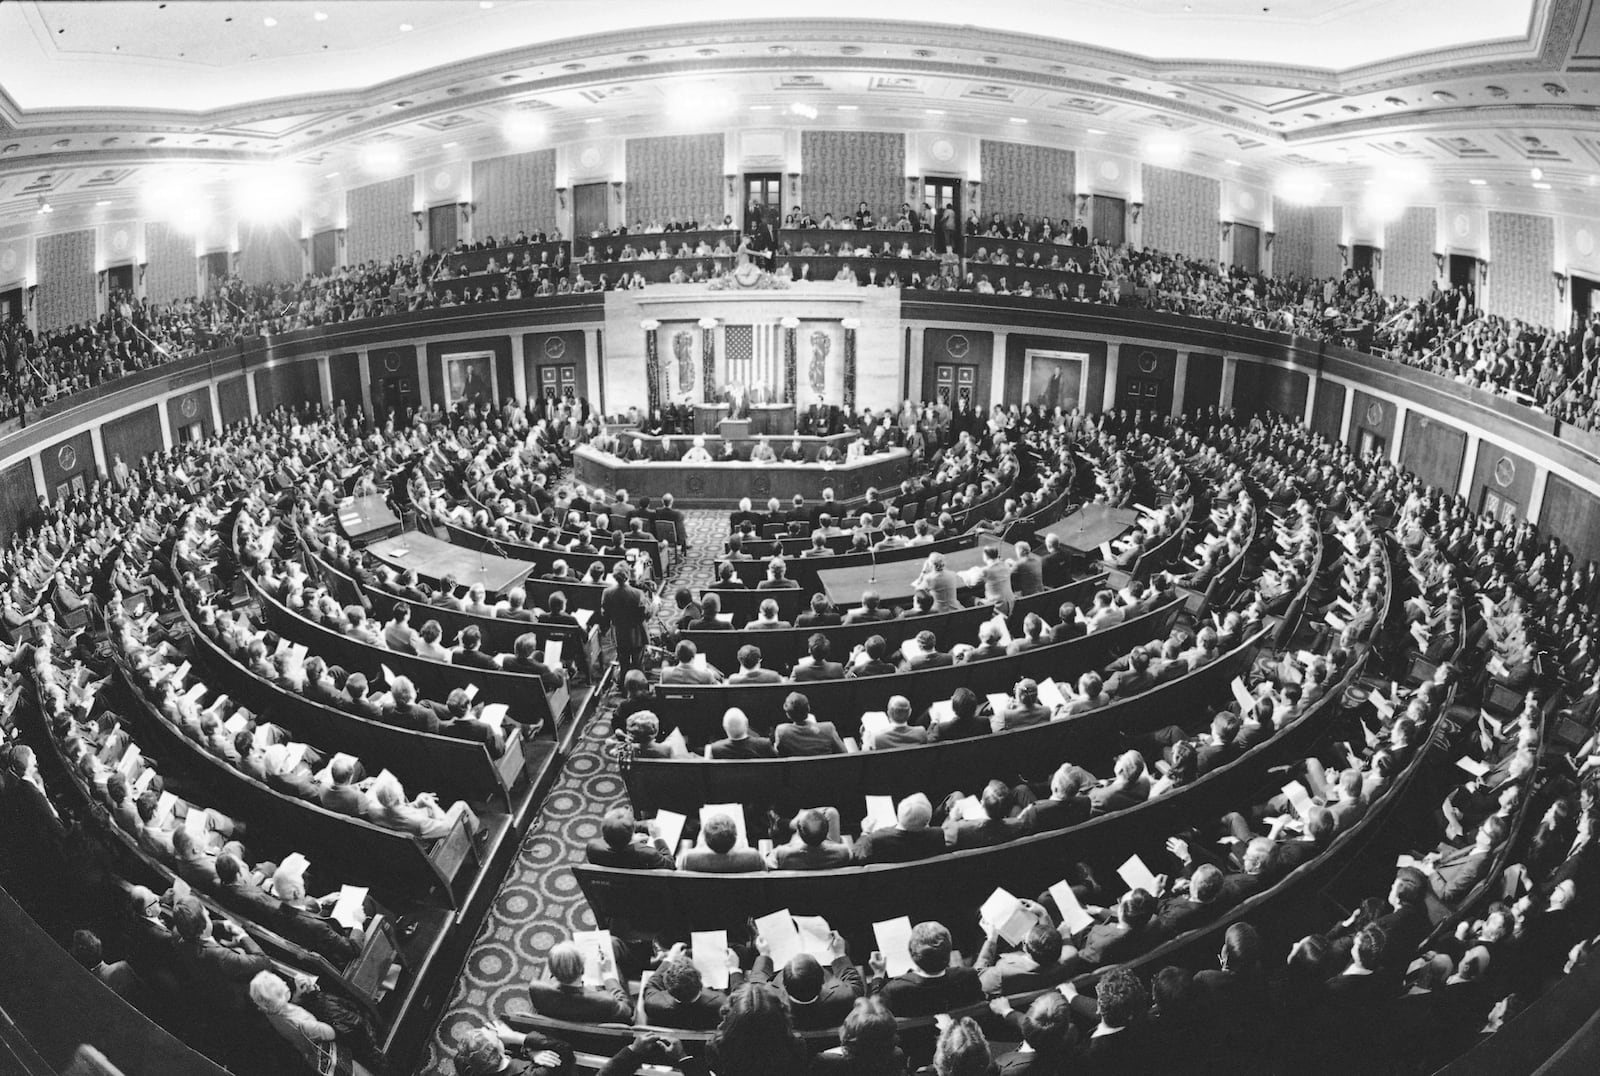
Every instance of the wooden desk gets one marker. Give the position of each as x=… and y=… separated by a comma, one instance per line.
x=1090, y=526
x=431, y=557
x=721, y=485
x=367, y=519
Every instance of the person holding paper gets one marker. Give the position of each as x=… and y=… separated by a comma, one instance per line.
x=422, y=817
x=688, y=667
x=1454, y=874
x=1066, y=805
x=933, y=984
x=811, y=850
x=991, y=825
x=960, y=719
x=939, y=581
x=676, y=995
x=1034, y=965
x=1022, y=709
x=345, y=795
x=294, y=917
x=526, y=658
x=1115, y=937
x=1129, y=786
x=721, y=852
x=905, y=841
x=899, y=733
x=629, y=844
x=565, y=996
x=819, y=996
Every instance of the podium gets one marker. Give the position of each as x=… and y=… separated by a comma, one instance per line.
x=775, y=420
x=734, y=429
x=707, y=416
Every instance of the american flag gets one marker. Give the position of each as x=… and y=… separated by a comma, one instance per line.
x=755, y=358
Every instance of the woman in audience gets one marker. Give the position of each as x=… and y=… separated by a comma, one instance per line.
x=868, y=1044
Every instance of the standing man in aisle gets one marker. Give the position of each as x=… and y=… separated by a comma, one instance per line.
x=625, y=609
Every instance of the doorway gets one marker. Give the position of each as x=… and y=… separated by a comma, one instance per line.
x=215, y=266
x=442, y=228
x=1152, y=395
x=590, y=212
x=955, y=384
x=1247, y=247
x=1369, y=443
x=11, y=304
x=763, y=191
x=119, y=278
x=1585, y=299
x=1108, y=220
x=1464, y=274
x=324, y=252
x=941, y=192
x=558, y=382
x=1361, y=258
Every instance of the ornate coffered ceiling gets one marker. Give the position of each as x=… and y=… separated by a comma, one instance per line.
x=99, y=100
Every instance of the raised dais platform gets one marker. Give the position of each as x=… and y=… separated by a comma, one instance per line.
x=721, y=485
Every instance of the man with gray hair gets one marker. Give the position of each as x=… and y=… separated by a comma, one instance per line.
x=907, y=839
x=564, y=996
x=737, y=742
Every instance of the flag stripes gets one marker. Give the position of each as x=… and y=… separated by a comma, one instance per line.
x=755, y=358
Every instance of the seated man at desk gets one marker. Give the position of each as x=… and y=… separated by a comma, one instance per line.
x=762, y=452
x=698, y=453
x=795, y=453
x=729, y=453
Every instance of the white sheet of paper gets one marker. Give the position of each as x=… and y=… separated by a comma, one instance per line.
x=872, y=723
x=1105, y=552
x=1073, y=916
x=1241, y=694
x=142, y=783
x=597, y=950
x=880, y=812
x=941, y=711
x=583, y=616
x=295, y=864
x=709, y=951
x=164, y=807
x=350, y=909
x=816, y=936
x=894, y=942
x=1050, y=694
x=1007, y=916
x=237, y=723
x=294, y=754
x=1298, y=798
x=494, y=714
x=782, y=937
x=669, y=824
x=1138, y=876
x=388, y=674
x=998, y=701
x=1473, y=766
x=552, y=653
x=194, y=823
x=734, y=811
x=195, y=693
x=472, y=691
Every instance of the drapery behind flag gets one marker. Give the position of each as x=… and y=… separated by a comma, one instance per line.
x=755, y=359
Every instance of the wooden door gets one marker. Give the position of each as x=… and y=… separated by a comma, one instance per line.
x=442, y=228
x=590, y=211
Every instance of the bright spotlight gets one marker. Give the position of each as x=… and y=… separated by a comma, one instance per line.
x=1404, y=175
x=1163, y=148
x=522, y=127
x=694, y=102
x=269, y=194
x=1302, y=187
x=381, y=158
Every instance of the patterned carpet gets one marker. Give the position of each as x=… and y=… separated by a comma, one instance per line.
x=539, y=903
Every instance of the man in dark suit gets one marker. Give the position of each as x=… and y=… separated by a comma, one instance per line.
x=1454, y=874
x=564, y=996
x=357, y=700
x=811, y=850
x=719, y=851
x=342, y=796
x=802, y=733
x=737, y=742
x=411, y=713
x=1120, y=1044
x=819, y=997
x=907, y=839
x=750, y=670
x=995, y=826
x=220, y=969
x=626, y=612
x=1130, y=931
x=1180, y=911
x=821, y=615
x=675, y=996
x=926, y=653
x=1067, y=804
x=1027, y=575
x=932, y=985
x=1055, y=565
x=667, y=513
x=870, y=610
x=625, y=843
x=468, y=652
x=525, y=658
x=964, y=721
x=815, y=665
x=241, y=893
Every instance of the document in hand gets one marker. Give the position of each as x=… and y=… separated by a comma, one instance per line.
x=1006, y=915
x=894, y=942
x=669, y=826
x=1242, y=696
x=597, y=949
x=781, y=935
x=881, y=813
x=1073, y=915
x=350, y=910
x=1298, y=798
x=708, y=949
x=1138, y=876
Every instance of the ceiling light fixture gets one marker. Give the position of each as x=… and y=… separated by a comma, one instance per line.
x=1541, y=186
x=934, y=111
x=1231, y=163
x=44, y=206
x=485, y=5
x=805, y=111
x=405, y=28
x=102, y=203
x=320, y=16
x=760, y=108
x=1018, y=119
x=1537, y=173
x=1095, y=131
x=1478, y=182
x=268, y=20
x=849, y=108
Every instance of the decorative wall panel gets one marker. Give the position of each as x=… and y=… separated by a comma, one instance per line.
x=515, y=193
x=1032, y=180
x=66, y=279
x=270, y=253
x=1180, y=213
x=170, y=274
x=380, y=221
x=842, y=168
x=675, y=177
x=1408, y=267
x=1308, y=240
x=1522, y=251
